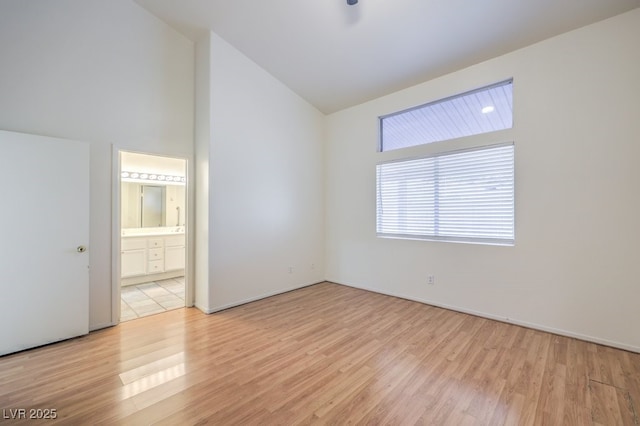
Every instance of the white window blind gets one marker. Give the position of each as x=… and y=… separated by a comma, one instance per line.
x=472, y=113
x=457, y=196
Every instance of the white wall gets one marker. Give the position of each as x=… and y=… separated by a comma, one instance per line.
x=265, y=167
x=574, y=268
x=105, y=72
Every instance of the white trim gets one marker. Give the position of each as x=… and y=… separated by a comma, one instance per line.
x=115, y=235
x=189, y=233
x=116, y=231
x=534, y=326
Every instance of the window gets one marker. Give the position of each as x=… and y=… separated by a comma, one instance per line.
x=480, y=111
x=464, y=195
x=456, y=196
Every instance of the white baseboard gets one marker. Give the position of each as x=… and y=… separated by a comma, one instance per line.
x=253, y=299
x=526, y=324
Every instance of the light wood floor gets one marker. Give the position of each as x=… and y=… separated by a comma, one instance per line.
x=324, y=354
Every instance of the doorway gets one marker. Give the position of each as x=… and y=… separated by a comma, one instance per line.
x=153, y=234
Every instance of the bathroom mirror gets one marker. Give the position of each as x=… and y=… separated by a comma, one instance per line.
x=150, y=206
x=143, y=206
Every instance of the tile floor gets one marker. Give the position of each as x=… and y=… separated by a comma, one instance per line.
x=151, y=298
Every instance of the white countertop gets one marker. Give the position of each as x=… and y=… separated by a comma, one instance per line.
x=152, y=232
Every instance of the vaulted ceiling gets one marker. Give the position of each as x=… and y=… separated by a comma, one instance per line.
x=336, y=56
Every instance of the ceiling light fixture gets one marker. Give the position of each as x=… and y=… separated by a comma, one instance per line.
x=487, y=109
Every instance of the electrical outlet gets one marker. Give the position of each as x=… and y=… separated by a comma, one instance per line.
x=431, y=280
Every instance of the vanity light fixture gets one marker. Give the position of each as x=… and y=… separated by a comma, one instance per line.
x=151, y=177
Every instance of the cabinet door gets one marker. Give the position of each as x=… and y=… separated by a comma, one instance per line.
x=133, y=263
x=173, y=258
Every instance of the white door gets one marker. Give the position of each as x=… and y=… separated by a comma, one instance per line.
x=44, y=240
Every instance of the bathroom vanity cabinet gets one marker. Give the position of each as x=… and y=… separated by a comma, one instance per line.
x=150, y=257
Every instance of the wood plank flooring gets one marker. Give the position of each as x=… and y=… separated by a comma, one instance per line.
x=325, y=354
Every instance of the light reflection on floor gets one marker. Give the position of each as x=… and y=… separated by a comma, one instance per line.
x=152, y=375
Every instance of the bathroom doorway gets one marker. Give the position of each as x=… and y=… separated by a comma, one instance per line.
x=153, y=234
